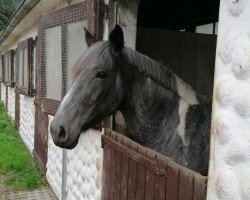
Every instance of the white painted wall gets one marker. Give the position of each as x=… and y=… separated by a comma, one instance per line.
x=3, y=92
x=27, y=121
x=54, y=164
x=127, y=11
x=11, y=102
x=229, y=171
x=83, y=167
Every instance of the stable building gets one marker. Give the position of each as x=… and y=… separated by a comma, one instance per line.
x=206, y=43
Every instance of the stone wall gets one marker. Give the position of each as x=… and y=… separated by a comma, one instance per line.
x=229, y=172
x=27, y=121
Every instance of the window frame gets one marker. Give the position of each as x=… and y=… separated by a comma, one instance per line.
x=62, y=17
x=9, y=83
x=35, y=66
x=26, y=90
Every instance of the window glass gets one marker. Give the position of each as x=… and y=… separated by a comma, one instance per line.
x=53, y=63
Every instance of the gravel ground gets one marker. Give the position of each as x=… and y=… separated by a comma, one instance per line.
x=43, y=193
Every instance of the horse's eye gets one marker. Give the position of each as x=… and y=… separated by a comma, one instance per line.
x=101, y=75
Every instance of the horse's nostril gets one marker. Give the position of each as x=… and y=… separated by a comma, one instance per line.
x=62, y=135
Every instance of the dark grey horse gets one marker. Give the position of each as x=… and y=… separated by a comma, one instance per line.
x=161, y=111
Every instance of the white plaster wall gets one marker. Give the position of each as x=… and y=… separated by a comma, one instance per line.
x=84, y=168
x=54, y=164
x=3, y=93
x=27, y=121
x=229, y=171
x=11, y=103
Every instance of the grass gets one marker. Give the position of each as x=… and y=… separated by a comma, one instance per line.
x=16, y=163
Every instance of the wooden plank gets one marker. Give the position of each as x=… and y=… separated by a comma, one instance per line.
x=148, y=163
x=160, y=180
x=200, y=188
x=150, y=178
x=124, y=176
x=186, y=185
x=105, y=176
x=190, y=55
x=172, y=186
x=118, y=172
x=132, y=174
x=135, y=172
x=111, y=172
x=205, y=59
x=141, y=177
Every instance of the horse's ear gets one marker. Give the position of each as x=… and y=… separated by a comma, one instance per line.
x=90, y=39
x=116, y=39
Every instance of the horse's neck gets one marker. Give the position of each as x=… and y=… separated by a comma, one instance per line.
x=155, y=101
x=145, y=107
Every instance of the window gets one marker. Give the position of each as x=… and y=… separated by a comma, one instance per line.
x=1, y=69
x=61, y=40
x=9, y=68
x=24, y=67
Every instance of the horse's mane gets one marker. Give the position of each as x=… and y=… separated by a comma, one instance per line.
x=160, y=74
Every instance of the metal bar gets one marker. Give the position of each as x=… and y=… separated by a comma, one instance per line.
x=64, y=174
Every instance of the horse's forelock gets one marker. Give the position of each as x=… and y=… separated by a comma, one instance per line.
x=76, y=70
x=96, y=53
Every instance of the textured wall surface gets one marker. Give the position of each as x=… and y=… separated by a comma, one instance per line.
x=11, y=102
x=54, y=165
x=84, y=168
x=3, y=93
x=229, y=172
x=27, y=121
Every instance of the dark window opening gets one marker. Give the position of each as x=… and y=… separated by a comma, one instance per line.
x=177, y=15
x=182, y=35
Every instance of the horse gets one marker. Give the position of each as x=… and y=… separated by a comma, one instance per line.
x=161, y=111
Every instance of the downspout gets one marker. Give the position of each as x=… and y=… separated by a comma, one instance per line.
x=25, y=7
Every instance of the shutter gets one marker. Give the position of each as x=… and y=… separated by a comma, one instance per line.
x=24, y=67
x=9, y=67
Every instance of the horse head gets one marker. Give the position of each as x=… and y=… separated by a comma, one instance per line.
x=97, y=90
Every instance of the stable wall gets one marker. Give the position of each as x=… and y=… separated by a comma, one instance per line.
x=229, y=171
x=11, y=102
x=3, y=93
x=27, y=121
x=76, y=173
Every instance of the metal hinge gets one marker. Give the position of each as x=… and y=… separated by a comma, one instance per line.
x=106, y=11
